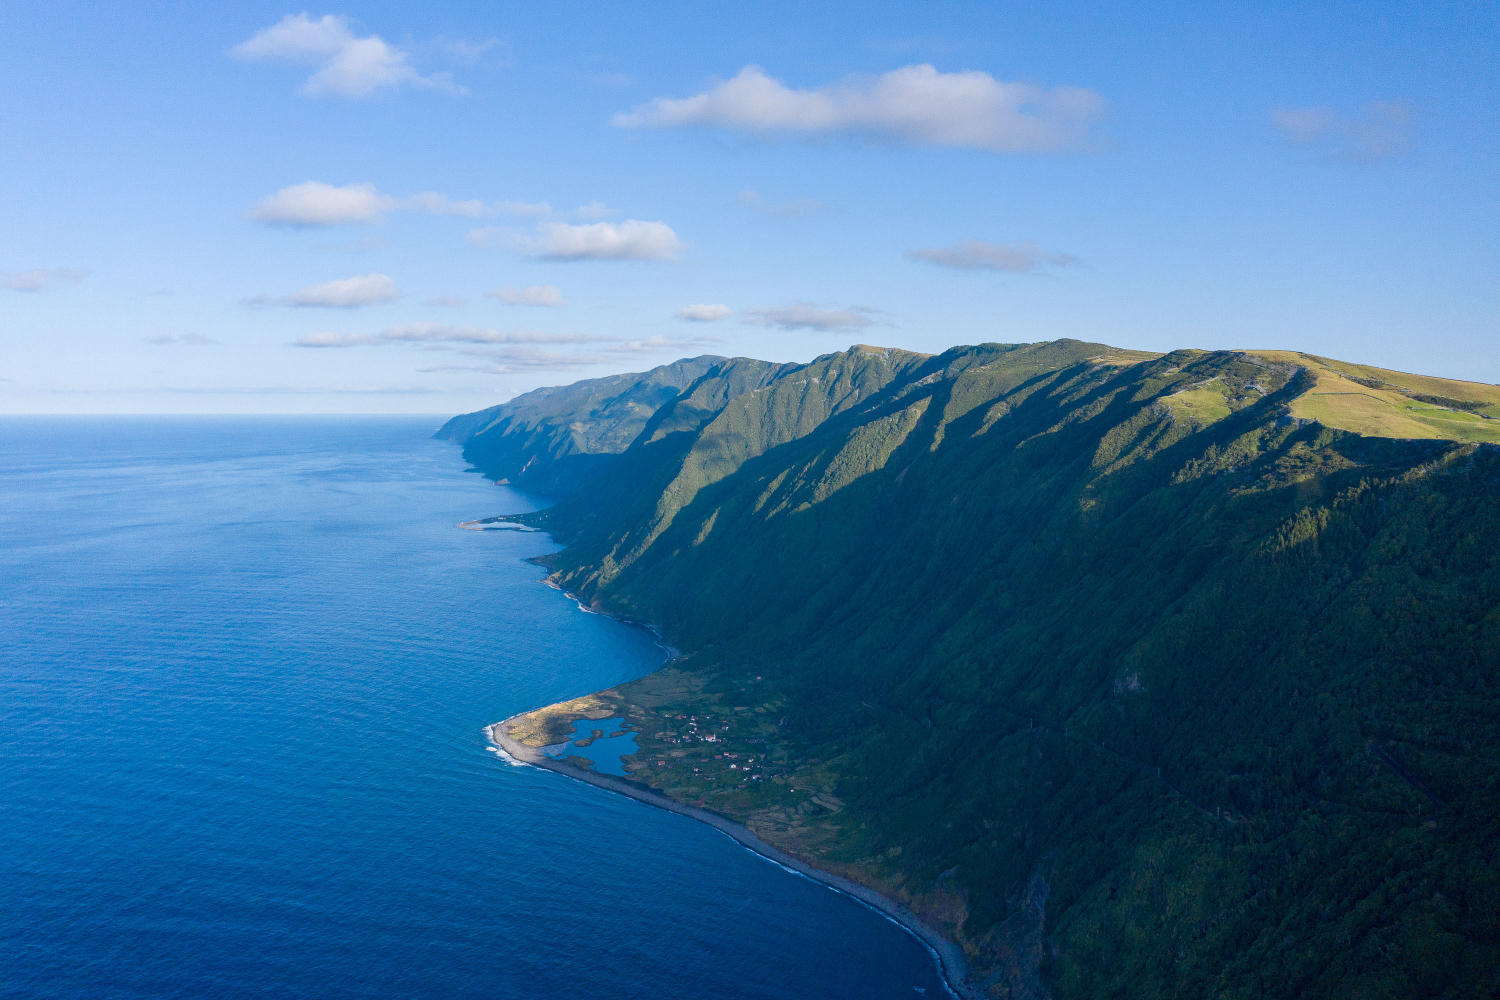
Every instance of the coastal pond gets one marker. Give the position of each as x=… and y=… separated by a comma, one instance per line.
x=613, y=743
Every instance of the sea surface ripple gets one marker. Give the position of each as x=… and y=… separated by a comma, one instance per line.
x=245, y=664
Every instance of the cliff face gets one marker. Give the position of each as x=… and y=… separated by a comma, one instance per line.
x=558, y=439
x=1139, y=675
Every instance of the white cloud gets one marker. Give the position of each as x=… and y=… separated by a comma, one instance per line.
x=438, y=204
x=442, y=333
x=40, y=278
x=503, y=352
x=977, y=255
x=313, y=203
x=656, y=345
x=805, y=317
x=345, y=65
x=914, y=105
x=467, y=52
x=785, y=210
x=184, y=338
x=594, y=210
x=348, y=293
x=1382, y=129
x=542, y=210
x=531, y=295
x=529, y=360
x=704, y=313
x=510, y=360
x=445, y=301
x=628, y=240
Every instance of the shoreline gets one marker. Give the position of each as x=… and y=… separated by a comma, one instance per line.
x=949, y=957
x=672, y=651
x=953, y=970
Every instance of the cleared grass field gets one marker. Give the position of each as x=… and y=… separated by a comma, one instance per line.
x=1381, y=403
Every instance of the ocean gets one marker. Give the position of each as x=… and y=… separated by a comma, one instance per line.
x=245, y=666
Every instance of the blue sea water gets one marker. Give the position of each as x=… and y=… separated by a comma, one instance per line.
x=245, y=665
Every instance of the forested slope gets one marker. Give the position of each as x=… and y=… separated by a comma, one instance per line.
x=1127, y=674
x=558, y=439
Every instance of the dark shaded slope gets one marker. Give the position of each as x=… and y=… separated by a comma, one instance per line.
x=1126, y=677
x=554, y=440
x=694, y=445
x=1140, y=686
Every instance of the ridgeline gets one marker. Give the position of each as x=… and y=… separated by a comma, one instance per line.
x=1135, y=675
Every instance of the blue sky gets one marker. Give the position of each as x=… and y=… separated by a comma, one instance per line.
x=389, y=209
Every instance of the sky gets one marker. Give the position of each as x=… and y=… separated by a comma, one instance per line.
x=393, y=208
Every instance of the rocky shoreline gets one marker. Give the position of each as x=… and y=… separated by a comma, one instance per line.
x=949, y=957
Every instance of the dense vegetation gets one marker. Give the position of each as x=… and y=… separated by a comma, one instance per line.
x=554, y=440
x=1132, y=679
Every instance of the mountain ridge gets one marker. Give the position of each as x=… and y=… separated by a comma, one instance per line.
x=1168, y=624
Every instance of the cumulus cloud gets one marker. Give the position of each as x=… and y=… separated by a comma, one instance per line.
x=531, y=295
x=1382, y=129
x=348, y=293
x=445, y=301
x=183, y=338
x=977, y=255
x=468, y=52
x=594, y=210
x=784, y=210
x=314, y=203
x=344, y=65
x=438, y=204
x=806, y=317
x=705, y=313
x=41, y=278
x=628, y=240
x=913, y=105
x=446, y=334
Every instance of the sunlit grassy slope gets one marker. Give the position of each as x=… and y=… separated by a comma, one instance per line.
x=1139, y=675
x=1380, y=403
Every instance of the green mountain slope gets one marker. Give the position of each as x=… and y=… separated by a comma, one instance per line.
x=1122, y=670
x=554, y=440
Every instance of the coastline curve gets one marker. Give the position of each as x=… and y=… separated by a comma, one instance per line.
x=949, y=958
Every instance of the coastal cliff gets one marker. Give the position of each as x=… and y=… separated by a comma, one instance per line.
x=1130, y=674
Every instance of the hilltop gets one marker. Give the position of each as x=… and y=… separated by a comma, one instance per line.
x=1134, y=674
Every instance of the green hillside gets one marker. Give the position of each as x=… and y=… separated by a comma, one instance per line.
x=554, y=440
x=1138, y=675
